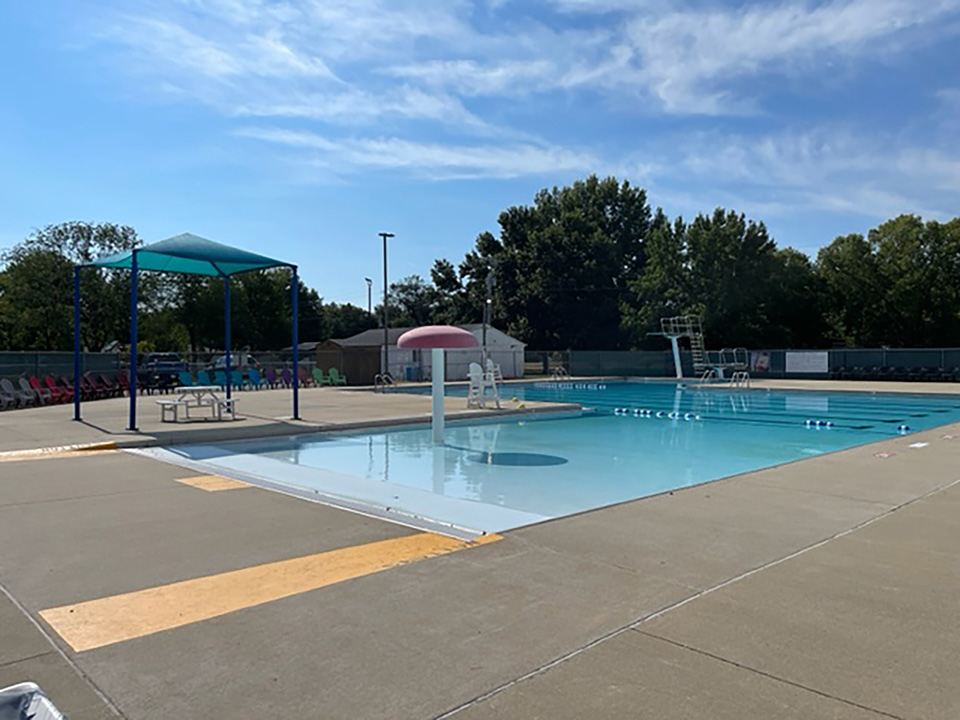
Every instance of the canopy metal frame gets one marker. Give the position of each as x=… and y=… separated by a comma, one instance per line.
x=191, y=255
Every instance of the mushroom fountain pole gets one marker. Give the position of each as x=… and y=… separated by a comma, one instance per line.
x=437, y=338
x=437, y=371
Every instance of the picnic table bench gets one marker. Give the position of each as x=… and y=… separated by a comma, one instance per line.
x=197, y=397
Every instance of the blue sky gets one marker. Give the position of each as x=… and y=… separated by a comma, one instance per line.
x=301, y=128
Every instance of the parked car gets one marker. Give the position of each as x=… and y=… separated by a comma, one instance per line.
x=238, y=361
x=161, y=370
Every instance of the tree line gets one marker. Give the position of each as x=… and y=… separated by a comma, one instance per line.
x=176, y=312
x=591, y=266
x=588, y=266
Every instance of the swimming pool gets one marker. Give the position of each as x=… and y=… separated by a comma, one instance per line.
x=633, y=439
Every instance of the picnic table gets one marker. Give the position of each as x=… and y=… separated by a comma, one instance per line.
x=197, y=397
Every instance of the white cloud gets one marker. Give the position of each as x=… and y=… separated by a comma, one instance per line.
x=448, y=94
x=469, y=78
x=829, y=169
x=355, y=107
x=433, y=160
x=690, y=58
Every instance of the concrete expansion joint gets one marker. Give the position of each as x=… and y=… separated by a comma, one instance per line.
x=54, y=647
x=770, y=676
x=634, y=625
x=15, y=661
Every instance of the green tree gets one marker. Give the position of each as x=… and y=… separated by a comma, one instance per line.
x=36, y=301
x=727, y=270
x=853, y=288
x=796, y=310
x=732, y=263
x=345, y=320
x=663, y=289
x=899, y=286
x=411, y=301
x=36, y=271
x=562, y=265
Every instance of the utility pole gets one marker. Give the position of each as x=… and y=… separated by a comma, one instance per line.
x=369, y=296
x=386, y=322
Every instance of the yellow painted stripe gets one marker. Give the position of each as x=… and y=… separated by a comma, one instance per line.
x=109, y=620
x=58, y=451
x=52, y=454
x=212, y=483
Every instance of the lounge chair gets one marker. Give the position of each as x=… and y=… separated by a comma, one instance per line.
x=123, y=381
x=25, y=388
x=220, y=378
x=336, y=378
x=186, y=378
x=112, y=386
x=65, y=394
x=319, y=379
x=271, y=375
x=90, y=388
x=20, y=397
x=306, y=380
x=203, y=378
x=44, y=396
x=253, y=378
x=68, y=384
x=286, y=377
x=106, y=386
x=236, y=379
x=8, y=399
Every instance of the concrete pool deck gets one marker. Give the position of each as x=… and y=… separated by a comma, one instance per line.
x=825, y=588
x=260, y=414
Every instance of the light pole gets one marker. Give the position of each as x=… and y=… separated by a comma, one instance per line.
x=489, y=282
x=369, y=296
x=386, y=337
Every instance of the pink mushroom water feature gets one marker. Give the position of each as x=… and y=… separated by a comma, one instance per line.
x=437, y=338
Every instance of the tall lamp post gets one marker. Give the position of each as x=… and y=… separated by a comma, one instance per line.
x=386, y=336
x=489, y=282
x=369, y=296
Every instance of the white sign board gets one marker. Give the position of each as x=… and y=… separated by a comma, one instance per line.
x=817, y=361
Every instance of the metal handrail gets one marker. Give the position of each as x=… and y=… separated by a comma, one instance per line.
x=709, y=374
x=381, y=381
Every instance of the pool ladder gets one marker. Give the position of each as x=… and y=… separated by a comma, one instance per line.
x=741, y=378
x=381, y=381
x=708, y=375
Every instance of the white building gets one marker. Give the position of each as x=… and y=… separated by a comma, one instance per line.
x=504, y=350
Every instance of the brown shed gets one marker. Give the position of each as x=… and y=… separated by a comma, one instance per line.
x=359, y=363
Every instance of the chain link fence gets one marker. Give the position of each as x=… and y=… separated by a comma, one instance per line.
x=840, y=363
x=929, y=364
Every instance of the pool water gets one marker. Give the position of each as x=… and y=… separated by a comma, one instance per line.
x=633, y=440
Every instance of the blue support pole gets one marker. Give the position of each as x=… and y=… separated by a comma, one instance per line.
x=226, y=329
x=133, y=341
x=296, y=345
x=76, y=342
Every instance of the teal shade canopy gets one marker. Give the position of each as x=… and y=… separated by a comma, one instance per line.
x=192, y=255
